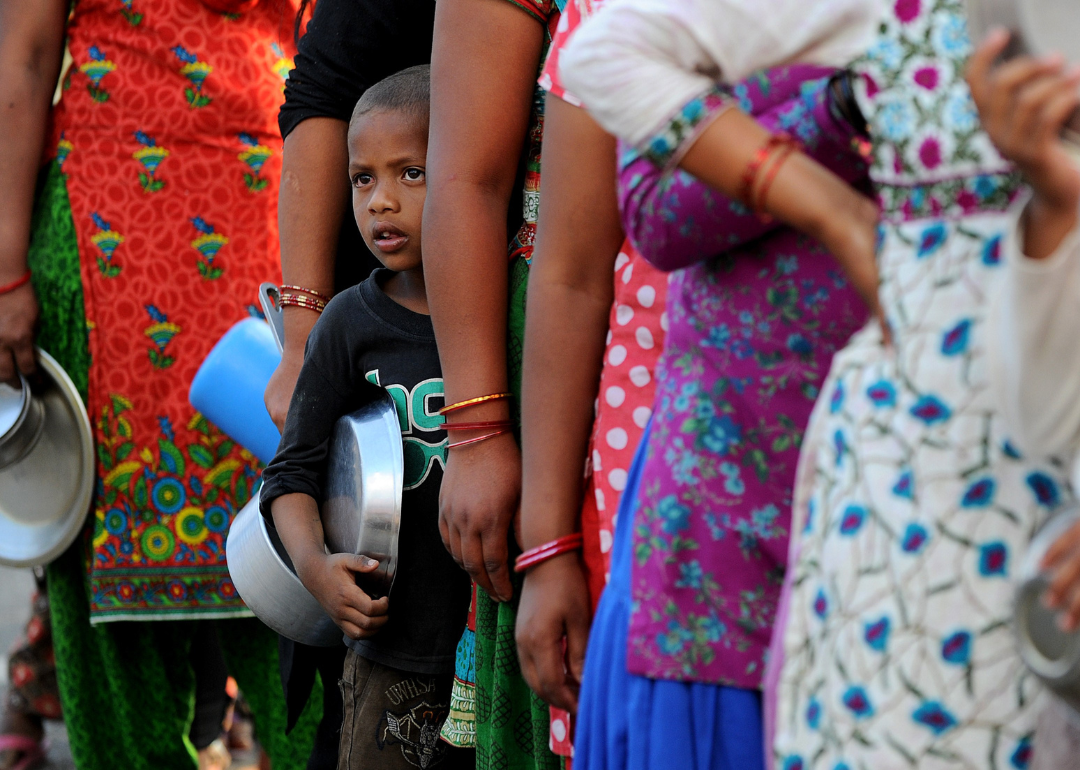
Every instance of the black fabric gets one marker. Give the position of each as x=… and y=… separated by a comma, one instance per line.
x=363, y=338
x=350, y=45
x=211, y=675
x=298, y=665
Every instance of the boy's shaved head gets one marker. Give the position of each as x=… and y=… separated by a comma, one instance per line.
x=406, y=91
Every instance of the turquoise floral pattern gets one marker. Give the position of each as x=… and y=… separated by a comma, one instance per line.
x=750, y=336
x=914, y=509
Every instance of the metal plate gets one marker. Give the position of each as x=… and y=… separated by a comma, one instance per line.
x=45, y=496
x=1052, y=654
x=361, y=512
x=263, y=574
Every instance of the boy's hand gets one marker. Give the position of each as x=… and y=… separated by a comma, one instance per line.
x=478, y=502
x=1062, y=560
x=1024, y=105
x=332, y=581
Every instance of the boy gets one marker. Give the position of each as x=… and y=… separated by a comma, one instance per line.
x=399, y=668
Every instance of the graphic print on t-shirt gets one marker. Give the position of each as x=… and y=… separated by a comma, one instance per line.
x=417, y=410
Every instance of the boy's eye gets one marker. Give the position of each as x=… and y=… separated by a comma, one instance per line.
x=359, y=180
x=414, y=174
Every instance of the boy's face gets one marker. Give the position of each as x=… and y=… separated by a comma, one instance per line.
x=387, y=158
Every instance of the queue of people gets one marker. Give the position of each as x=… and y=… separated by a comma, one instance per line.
x=723, y=446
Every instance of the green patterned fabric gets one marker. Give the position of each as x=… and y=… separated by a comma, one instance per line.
x=127, y=688
x=511, y=721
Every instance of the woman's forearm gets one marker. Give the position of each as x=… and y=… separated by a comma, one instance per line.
x=479, y=121
x=312, y=203
x=31, y=51
x=570, y=295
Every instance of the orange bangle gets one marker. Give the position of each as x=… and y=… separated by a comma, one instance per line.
x=474, y=402
x=9, y=287
x=312, y=292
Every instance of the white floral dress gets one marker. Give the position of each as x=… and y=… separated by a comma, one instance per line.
x=915, y=509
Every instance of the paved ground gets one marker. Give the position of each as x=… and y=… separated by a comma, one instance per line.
x=16, y=588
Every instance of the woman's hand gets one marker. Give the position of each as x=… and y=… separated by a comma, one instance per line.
x=18, y=316
x=332, y=581
x=478, y=503
x=280, y=389
x=1024, y=105
x=1062, y=561
x=554, y=607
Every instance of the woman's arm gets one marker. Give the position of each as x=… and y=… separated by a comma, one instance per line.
x=570, y=295
x=31, y=50
x=708, y=222
x=312, y=203
x=483, y=65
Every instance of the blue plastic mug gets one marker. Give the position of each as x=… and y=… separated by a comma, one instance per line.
x=229, y=386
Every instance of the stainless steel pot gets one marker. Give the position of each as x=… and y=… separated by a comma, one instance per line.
x=1052, y=654
x=265, y=579
x=361, y=512
x=46, y=467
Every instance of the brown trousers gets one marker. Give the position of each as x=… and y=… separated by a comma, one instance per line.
x=393, y=718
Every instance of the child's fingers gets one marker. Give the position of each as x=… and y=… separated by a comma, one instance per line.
x=1006, y=83
x=1060, y=108
x=1031, y=107
x=1064, y=578
x=361, y=563
x=982, y=60
x=1061, y=547
x=1071, y=618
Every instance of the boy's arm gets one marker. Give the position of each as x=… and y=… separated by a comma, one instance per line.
x=293, y=482
x=329, y=577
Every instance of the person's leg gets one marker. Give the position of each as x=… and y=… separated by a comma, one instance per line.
x=127, y=688
x=251, y=653
x=392, y=719
x=31, y=694
x=211, y=677
x=324, y=756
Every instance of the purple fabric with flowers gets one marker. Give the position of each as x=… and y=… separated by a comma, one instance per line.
x=751, y=334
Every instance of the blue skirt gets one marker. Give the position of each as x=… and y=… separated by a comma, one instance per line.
x=629, y=722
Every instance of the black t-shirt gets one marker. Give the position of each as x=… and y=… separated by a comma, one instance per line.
x=349, y=46
x=365, y=340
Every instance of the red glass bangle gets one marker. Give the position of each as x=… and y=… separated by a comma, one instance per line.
x=312, y=292
x=299, y=300
x=548, y=550
x=477, y=440
x=489, y=425
x=8, y=287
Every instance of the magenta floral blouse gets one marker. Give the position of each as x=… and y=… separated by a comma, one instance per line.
x=751, y=334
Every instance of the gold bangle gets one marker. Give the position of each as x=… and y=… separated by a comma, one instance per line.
x=474, y=402
x=299, y=300
x=293, y=287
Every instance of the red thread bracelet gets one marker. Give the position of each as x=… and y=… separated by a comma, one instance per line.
x=478, y=439
x=780, y=158
x=489, y=425
x=9, y=287
x=753, y=168
x=548, y=550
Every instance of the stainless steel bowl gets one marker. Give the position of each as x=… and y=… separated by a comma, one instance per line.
x=46, y=467
x=265, y=579
x=1052, y=654
x=361, y=512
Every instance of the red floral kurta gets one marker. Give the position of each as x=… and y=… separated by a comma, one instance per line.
x=166, y=134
